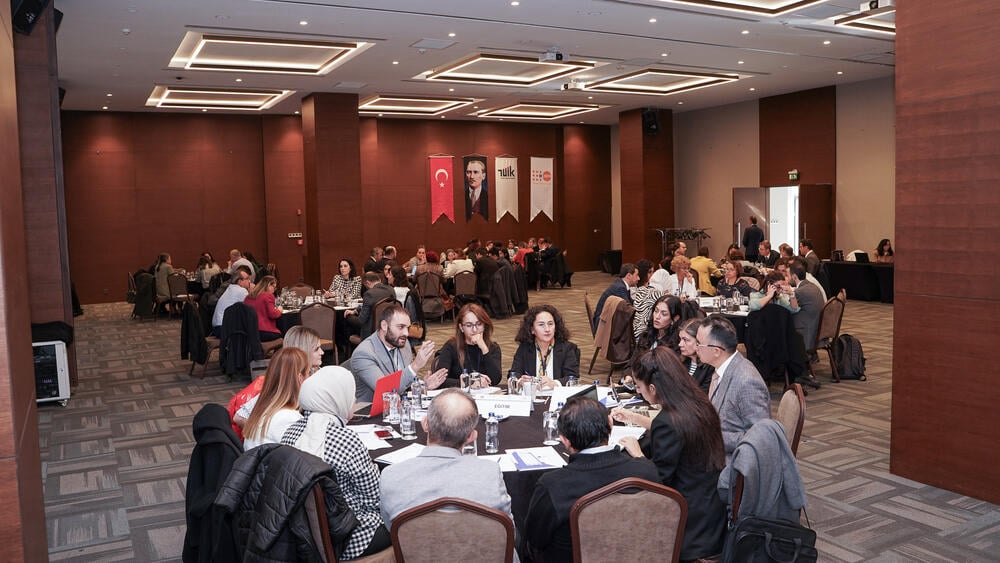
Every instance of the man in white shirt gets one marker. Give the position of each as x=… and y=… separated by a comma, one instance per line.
x=737, y=391
x=440, y=470
x=236, y=260
x=239, y=288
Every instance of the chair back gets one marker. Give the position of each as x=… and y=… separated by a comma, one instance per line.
x=590, y=313
x=130, y=293
x=378, y=308
x=452, y=529
x=177, y=284
x=321, y=318
x=465, y=284
x=429, y=284
x=830, y=318
x=754, y=282
x=624, y=509
x=302, y=290
x=792, y=415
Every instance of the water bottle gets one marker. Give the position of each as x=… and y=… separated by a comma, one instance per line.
x=492, y=434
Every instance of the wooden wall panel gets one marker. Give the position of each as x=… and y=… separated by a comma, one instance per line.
x=22, y=517
x=647, y=184
x=587, y=187
x=947, y=139
x=284, y=195
x=799, y=131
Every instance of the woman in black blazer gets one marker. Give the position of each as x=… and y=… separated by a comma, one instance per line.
x=544, y=348
x=685, y=443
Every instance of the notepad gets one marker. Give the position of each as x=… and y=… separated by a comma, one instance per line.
x=534, y=459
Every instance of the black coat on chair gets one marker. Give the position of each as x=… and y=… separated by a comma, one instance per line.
x=773, y=345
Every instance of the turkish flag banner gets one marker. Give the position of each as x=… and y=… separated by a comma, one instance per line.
x=442, y=188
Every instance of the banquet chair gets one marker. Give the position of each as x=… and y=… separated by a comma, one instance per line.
x=792, y=415
x=302, y=290
x=177, y=283
x=323, y=319
x=429, y=289
x=590, y=313
x=452, y=529
x=754, y=282
x=830, y=318
x=465, y=289
x=130, y=293
x=652, y=517
x=319, y=526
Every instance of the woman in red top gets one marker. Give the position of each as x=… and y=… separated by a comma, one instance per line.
x=261, y=298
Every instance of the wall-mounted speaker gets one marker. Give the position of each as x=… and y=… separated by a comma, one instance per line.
x=650, y=122
x=25, y=13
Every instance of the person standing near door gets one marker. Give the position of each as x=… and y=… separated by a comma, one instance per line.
x=752, y=237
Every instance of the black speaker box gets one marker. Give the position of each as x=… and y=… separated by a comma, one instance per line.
x=650, y=123
x=25, y=13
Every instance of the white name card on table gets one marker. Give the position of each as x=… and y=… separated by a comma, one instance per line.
x=706, y=302
x=508, y=405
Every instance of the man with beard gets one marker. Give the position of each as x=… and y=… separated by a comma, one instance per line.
x=388, y=351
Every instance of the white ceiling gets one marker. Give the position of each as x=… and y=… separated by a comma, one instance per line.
x=123, y=48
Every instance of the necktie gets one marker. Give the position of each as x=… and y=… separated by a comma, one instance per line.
x=714, y=385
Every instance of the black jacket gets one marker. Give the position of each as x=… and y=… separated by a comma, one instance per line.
x=565, y=360
x=216, y=449
x=193, y=335
x=773, y=345
x=264, y=497
x=240, y=342
x=145, y=295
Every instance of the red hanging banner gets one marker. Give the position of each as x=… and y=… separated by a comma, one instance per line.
x=442, y=188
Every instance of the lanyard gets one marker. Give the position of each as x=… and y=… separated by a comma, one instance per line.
x=392, y=358
x=545, y=359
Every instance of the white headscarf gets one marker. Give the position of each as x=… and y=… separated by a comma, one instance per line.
x=329, y=396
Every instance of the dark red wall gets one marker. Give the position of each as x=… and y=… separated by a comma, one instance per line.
x=140, y=184
x=799, y=131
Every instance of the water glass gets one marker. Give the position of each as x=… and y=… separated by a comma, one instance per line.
x=528, y=389
x=513, y=384
x=417, y=391
x=406, y=427
x=550, y=424
x=390, y=402
x=571, y=381
x=465, y=380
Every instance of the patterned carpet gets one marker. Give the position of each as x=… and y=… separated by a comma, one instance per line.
x=115, y=459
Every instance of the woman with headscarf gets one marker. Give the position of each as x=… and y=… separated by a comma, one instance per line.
x=327, y=403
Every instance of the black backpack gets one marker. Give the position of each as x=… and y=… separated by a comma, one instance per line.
x=850, y=357
x=761, y=540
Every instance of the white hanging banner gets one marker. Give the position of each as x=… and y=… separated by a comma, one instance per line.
x=541, y=187
x=506, y=186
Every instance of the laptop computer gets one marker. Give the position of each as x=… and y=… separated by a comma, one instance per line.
x=385, y=384
x=861, y=257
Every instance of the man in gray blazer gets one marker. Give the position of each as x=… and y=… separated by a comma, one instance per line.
x=810, y=299
x=440, y=470
x=738, y=392
x=388, y=351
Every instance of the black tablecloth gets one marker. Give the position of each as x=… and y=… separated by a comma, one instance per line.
x=287, y=320
x=863, y=281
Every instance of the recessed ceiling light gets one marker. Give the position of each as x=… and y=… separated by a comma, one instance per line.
x=395, y=62
x=108, y=94
x=204, y=51
x=590, y=97
x=680, y=103
x=753, y=89
x=297, y=112
x=581, y=123
x=659, y=82
x=239, y=80
x=411, y=105
x=303, y=22
x=768, y=8
x=442, y=117
x=475, y=107
x=203, y=109
x=664, y=54
x=452, y=34
x=827, y=42
x=745, y=32
x=515, y=3
x=175, y=97
x=652, y=20
x=540, y=110
x=881, y=20
x=840, y=72
x=505, y=70
x=451, y=89
x=104, y=107
x=739, y=62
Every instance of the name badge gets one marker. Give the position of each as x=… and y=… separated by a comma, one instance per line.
x=507, y=405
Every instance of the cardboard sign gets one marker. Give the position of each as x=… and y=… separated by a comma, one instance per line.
x=506, y=405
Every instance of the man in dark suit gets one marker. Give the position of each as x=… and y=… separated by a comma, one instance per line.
x=751, y=240
x=807, y=254
x=360, y=321
x=584, y=429
x=767, y=256
x=628, y=277
x=374, y=262
x=737, y=390
x=477, y=195
x=485, y=267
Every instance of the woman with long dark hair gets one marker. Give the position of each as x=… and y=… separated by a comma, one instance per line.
x=883, y=253
x=685, y=443
x=661, y=325
x=472, y=348
x=346, y=283
x=544, y=349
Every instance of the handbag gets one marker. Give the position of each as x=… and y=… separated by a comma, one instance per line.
x=416, y=330
x=759, y=540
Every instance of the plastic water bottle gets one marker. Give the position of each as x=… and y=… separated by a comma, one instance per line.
x=393, y=408
x=492, y=434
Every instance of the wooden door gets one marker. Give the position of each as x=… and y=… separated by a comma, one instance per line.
x=816, y=208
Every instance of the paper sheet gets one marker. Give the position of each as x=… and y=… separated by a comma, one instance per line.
x=619, y=432
x=366, y=432
x=409, y=452
x=532, y=459
x=505, y=461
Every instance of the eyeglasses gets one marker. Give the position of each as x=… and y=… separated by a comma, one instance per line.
x=471, y=326
x=709, y=346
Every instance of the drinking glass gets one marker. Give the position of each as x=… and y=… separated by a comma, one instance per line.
x=513, y=385
x=390, y=402
x=406, y=427
x=550, y=424
x=465, y=380
x=470, y=449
